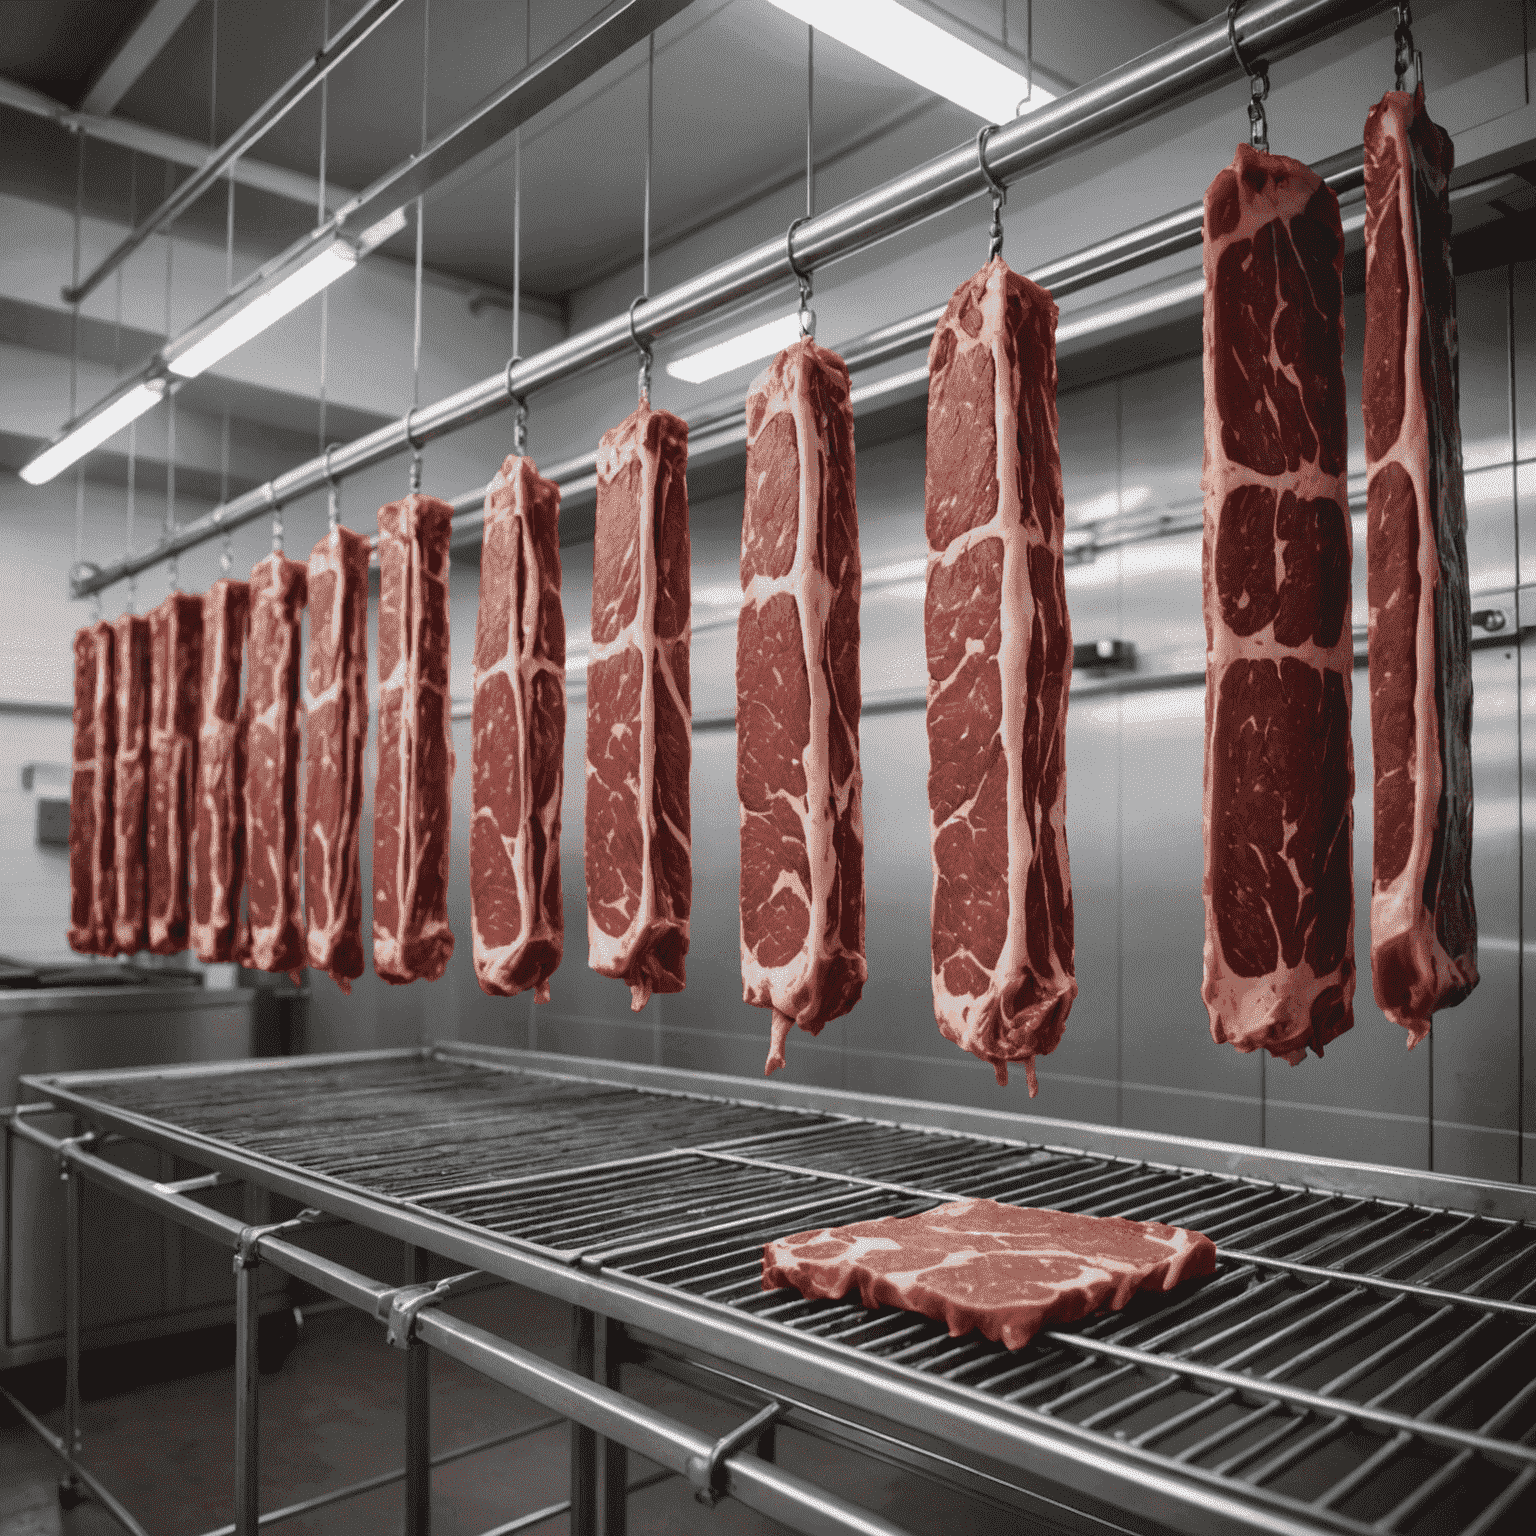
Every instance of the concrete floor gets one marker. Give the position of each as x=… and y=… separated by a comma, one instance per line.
x=332, y=1414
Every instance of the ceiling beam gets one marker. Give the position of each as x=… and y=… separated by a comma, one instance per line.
x=294, y=186
x=138, y=51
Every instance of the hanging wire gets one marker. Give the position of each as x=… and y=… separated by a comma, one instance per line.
x=74, y=341
x=325, y=293
x=1404, y=51
x=520, y=417
x=133, y=429
x=810, y=121
x=807, y=315
x=227, y=551
x=173, y=565
x=426, y=50
x=647, y=355
x=1029, y=52
x=1258, y=84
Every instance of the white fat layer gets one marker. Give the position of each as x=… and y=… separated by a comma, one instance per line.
x=793, y=989
x=616, y=954
x=265, y=938
x=406, y=681
x=962, y=1017
x=520, y=663
x=1398, y=908
x=1272, y=1011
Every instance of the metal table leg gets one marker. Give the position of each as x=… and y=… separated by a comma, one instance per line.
x=583, y=1440
x=612, y=1455
x=70, y=1490
x=418, y=1415
x=247, y=1377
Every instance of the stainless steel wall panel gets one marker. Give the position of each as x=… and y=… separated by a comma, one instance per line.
x=1476, y=1093
x=1520, y=299
x=1175, y=1079
x=1482, y=323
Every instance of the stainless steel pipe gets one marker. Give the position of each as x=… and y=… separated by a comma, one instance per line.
x=1194, y=61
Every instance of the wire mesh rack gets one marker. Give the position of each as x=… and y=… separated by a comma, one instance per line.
x=1354, y=1365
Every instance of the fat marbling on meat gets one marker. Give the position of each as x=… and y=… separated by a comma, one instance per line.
x=336, y=721
x=1004, y=1270
x=1423, y=919
x=272, y=938
x=175, y=707
x=797, y=700
x=217, y=873
x=92, y=886
x=999, y=643
x=517, y=766
x=1278, y=813
x=638, y=836
x=413, y=792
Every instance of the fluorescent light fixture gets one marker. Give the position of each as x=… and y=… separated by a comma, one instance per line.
x=737, y=351
x=904, y=39
x=265, y=309
x=93, y=431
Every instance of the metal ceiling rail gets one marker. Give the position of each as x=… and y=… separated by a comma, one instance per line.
x=1163, y=77
x=271, y=112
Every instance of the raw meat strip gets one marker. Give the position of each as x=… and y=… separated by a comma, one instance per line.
x=273, y=936
x=130, y=783
x=797, y=700
x=1278, y=816
x=999, y=665
x=412, y=798
x=1423, y=922
x=218, y=833
x=92, y=895
x=517, y=766
x=336, y=725
x=639, y=860
x=1004, y=1270
x=175, y=702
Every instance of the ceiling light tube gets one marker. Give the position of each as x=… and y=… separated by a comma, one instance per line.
x=737, y=351
x=262, y=309
x=904, y=38
x=262, y=305
x=93, y=430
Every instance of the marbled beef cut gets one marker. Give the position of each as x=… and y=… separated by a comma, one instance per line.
x=218, y=830
x=639, y=861
x=130, y=784
x=336, y=732
x=1423, y=921
x=175, y=705
x=1278, y=814
x=413, y=793
x=92, y=890
x=797, y=700
x=517, y=765
x=273, y=936
x=1004, y=1270
x=999, y=646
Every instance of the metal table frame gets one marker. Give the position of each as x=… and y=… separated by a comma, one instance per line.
x=845, y=1395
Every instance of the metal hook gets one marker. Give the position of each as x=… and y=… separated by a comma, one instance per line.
x=415, y=448
x=647, y=357
x=277, y=518
x=999, y=193
x=1258, y=84
x=333, y=496
x=807, y=315
x=1404, y=52
x=520, y=429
